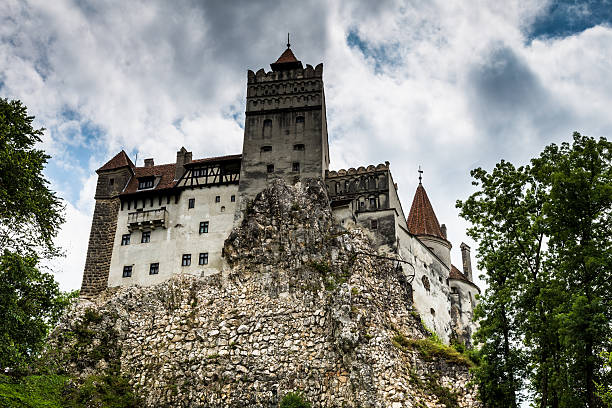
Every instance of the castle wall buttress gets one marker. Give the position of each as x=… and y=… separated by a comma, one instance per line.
x=100, y=249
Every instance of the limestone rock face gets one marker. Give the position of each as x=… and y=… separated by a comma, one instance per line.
x=298, y=308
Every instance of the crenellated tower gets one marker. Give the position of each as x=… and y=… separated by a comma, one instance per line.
x=285, y=132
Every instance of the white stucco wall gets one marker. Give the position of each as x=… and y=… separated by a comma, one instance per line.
x=181, y=236
x=437, y=297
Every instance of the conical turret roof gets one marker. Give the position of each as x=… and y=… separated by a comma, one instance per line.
x=121, y=159
x=422, y=219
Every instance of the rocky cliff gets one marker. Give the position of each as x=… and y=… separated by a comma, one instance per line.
x=299, y=307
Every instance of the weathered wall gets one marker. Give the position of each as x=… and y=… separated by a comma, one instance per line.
x=295, y=309
x=181, y=236
x=463, y=301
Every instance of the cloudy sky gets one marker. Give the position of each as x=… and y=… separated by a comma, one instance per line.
x=446, y=84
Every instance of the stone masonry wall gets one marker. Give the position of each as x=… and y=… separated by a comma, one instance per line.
x=100, y=249
x=296, y=309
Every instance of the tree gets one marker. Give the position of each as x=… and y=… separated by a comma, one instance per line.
x=30, y=216
x=544, y=240
x=30, y=213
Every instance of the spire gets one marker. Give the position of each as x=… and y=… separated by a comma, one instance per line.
x=287, y=60
x=422, y=219
x=121, y=159
x=420, y=174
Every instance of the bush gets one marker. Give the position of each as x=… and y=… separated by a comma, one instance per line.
x=34, y=391
x=294, y=400
x=431, y=348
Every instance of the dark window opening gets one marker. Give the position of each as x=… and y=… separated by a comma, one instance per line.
x=146, y=237
x=267, y=129
x=145, y=183
x=433, y=312
x=186, y=260
x=204, y=227
x=233, y=199
x=299, y=119
x=222, y=208
x=154, y=268
x=300, y=147
x=127, y=271
x=374, y=224
x=191, y=203
x=295, y=167
x=125, y=239
x=266, y=148
x=372, y=203
x=217, y=199
x=203, y=258
x=111, y=181
x=270, y=168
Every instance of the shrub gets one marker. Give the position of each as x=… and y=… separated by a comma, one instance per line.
x=294, y=400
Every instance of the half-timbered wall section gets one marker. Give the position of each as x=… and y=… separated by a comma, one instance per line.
x=206, y=173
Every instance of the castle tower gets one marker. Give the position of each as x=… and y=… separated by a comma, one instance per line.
x=112, y=179
x=285, y=132
x=423, y=223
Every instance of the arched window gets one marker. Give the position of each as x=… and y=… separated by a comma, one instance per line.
x=267, y=129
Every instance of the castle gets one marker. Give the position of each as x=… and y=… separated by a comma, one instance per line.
x=155, y=221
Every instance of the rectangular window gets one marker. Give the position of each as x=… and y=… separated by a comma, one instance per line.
x=146, y=237
x=186, y=261
x=233, y=199
x=127, y=271
x=154, y=268
x=204, y=227
x=296, y=167
x=217, y=199
x=145, y=183
x=112, y=181
x=203, y=258
x=299, y=147
x=266, y=148
x=191, y=203
x=372, y=203
x=374, y=224
x=270, y=168
x=125, y=239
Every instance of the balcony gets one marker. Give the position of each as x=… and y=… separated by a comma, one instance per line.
x=147, y=219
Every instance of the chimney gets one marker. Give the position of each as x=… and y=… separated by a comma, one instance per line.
x=443, y=229
x=182, y=158
x=467, y=262
x=149, y=163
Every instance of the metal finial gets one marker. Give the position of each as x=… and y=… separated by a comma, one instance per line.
x=420, y=174
x=288, y=43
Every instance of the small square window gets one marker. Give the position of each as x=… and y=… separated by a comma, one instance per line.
x=233, y=199
x=127, y=271
x=186, y=261
x=270, y=168
x=154, y=268
x=374, y=224
x=191, y=203
x=146, y=237
x=203, y=258
x=296, y=167
x=111, y=181
x=217, y=199
x=204, y=227
x=125, y=239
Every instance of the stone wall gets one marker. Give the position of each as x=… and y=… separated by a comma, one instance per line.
x=100, y=248
x=295, y=309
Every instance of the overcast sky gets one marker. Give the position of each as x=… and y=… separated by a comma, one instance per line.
x=449, y=85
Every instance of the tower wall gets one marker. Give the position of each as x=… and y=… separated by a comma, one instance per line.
x=103, y=227
x=285, y=124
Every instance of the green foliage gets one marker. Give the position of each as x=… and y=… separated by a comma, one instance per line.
x=294, y=400
x=432, y=348
x=543, y=233
x=36, y=391
x=109, y=391
x=30, y=304
x=605, y=392
x=30, y=214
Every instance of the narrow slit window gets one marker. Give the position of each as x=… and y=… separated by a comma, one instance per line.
x=233, y=198
x=217, y=199
x=191, y=203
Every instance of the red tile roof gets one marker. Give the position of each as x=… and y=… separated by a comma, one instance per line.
x=422, y=219
x=286, y=56
x=121, y=159
x=165, y=171
x=215, y=159
x=457, y=274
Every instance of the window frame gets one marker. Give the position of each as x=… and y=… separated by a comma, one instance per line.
x=145, y=238
x=186, y=260
x=154, y=268
x=270, y=168
x=295, y=167
x=127, y=271
x=125, y=239
x=203, y=227
x=145, y=183
x=191, y=203
x=203, y=258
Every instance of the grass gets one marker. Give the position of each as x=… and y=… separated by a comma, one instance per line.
x=32, y=391
x=294, y=400
x=431, y=348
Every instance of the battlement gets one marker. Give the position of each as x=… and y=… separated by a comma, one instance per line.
x=360, y=170
x=287, y=75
